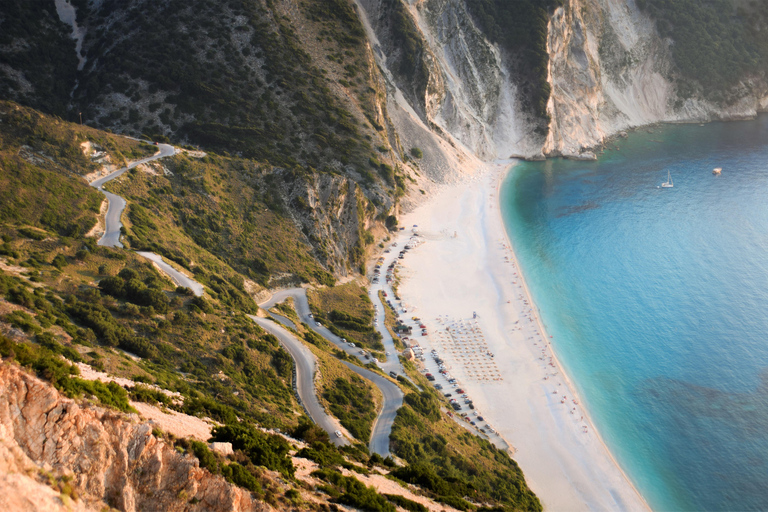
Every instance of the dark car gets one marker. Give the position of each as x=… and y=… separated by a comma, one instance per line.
x=448, y=394
x=480, y=418
x=393, y=375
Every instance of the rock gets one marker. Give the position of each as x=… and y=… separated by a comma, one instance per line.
x=222, y=448
x=112, y=461
x=586, y=155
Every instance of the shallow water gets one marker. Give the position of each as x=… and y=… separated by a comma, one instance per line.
x=657, y=300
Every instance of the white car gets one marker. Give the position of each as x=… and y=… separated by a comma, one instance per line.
x=338, y=433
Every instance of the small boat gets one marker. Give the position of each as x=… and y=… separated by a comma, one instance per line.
x=717, y=170
x=668, y=183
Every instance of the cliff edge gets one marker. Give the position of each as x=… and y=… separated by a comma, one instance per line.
x=58, y=455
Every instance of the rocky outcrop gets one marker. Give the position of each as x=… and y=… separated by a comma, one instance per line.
x=112, y=459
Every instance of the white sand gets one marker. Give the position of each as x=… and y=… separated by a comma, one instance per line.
x=461, y=269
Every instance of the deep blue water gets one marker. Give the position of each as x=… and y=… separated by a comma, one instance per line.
x=658, y=302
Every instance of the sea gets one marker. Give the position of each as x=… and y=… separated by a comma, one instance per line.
x=657, y=302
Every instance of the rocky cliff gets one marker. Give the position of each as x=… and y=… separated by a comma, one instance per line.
x=456, y=96
x=55, y=450
x=610, y=70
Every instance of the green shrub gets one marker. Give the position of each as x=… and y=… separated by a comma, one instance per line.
x=59, y=261
x=205, y=456
x=240, y=476
x=405, y=503
x=32, y=233
x=354, y=493
x=352, y=403
x=270, y=451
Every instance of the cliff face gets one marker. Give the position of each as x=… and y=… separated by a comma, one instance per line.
x=610, y=70
x=455, y=98
x=111, y=460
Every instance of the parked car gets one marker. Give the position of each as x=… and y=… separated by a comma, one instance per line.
x=393, y=375
x=338, y=433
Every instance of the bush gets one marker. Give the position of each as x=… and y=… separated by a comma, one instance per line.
x=205, y=456
x=354, y=493
x=405, y=503
x=425, y=404
x=270, y=451
x=322, y=453
x=416, y=153
x=33, y=234
x=148, y=395
x=310, y=432
x=238, y=475
x=59, y=261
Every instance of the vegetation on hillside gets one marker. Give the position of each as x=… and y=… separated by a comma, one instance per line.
x=716, y=45
x=348, y=312
x=454, y=465
x=63, y=296
x=408, y=50
x=218, y=208
x=40, y=157
x=46, y=63
x=352, y=403
x=232, y=76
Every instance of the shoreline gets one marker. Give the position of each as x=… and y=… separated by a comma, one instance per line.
x=565, y=466
x=569, y=383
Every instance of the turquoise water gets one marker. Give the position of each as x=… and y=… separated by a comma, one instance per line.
x=658, y=302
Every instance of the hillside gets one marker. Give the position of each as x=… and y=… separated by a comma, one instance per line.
x=65, y=300
x=304, y=129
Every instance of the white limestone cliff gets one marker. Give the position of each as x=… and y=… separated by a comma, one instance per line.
x=610, y=71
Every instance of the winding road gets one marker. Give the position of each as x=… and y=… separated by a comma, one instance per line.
x=391, y=393
x=393, y=399
x=305, y=377
x=305, y=361
x=301, y=303
x=177, y=277
x=116, y=206
x=111, y=237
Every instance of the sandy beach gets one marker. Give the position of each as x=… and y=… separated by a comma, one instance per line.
x=466, y=266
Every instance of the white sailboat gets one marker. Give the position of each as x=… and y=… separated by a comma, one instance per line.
x=668, y=183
